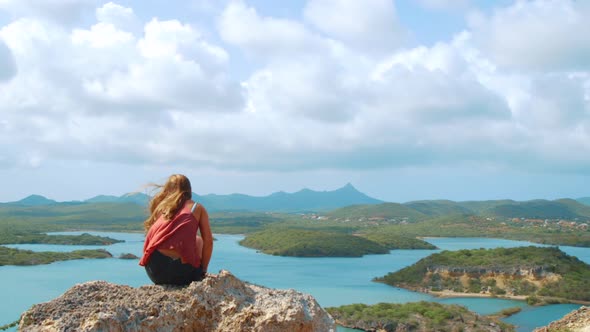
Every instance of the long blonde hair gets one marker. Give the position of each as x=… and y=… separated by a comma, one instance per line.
x=169, y=200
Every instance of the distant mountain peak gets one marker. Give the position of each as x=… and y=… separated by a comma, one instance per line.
x=34, y=196
x=349, y=186
x=36, y=200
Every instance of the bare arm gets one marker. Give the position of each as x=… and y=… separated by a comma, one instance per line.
x=206, y=235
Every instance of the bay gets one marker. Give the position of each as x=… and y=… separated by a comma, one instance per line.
x=332, y=281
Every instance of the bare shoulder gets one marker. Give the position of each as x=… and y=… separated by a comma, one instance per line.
x=200, y=211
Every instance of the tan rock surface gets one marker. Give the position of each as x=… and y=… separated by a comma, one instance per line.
x=220, y=302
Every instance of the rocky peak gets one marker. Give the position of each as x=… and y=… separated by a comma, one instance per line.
x=220, y=302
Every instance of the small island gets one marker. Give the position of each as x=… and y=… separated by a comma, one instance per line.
x=536, y=274
x=311, y=243
x=128, y=256
x=416, y=316
x=10, y=256
x=315, y=243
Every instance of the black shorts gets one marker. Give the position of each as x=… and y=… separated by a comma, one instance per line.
x=164, y=270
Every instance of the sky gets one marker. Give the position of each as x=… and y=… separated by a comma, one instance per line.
x=405, y=99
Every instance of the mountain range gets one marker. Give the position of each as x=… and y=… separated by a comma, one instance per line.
x=349, y=201
x=305, y=200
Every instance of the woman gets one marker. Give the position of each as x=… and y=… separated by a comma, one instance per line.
x=173, y=253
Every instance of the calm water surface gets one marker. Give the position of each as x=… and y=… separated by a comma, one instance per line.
x=332, y=281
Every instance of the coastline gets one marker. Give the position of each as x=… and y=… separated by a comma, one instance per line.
x=451, y=294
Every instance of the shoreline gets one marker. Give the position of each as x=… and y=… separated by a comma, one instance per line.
x=450, y=294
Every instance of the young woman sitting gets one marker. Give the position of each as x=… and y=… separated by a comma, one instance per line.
x=173, y=253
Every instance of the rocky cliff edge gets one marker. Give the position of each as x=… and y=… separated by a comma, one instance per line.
x=220, y=302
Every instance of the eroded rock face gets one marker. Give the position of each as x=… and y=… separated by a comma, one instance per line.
x=220, y=302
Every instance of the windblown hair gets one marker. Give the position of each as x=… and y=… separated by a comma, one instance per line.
x=169, y=200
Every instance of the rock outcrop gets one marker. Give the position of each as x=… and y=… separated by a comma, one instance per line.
x=575, y=321
x=220, y=302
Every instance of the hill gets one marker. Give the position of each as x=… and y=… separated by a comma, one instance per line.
x=438, y=207
x=34, y=200
x=478, y=226
x=541, y=209
x=387, y=211
x=62, y=216
x=524, y=271
x=567, y=209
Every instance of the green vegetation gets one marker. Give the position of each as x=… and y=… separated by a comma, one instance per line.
x=476, y=226
x=20, y=224
x=539, y=208
x=9, y=256
x=438, y=208
x=417, y=316
x=532, y=271
x=368, y=228
x=385, y=211
x=83, y=239
x=242, y=222
x=393, y=241
x=542, y=209
x=421, y=210
x=7, y=326
x=509, y=311
x=72, y=216
x=308, y=243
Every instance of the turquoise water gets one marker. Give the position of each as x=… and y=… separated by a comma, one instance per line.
x=332, y=281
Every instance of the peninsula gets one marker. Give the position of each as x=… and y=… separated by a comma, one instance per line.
x=537, y=274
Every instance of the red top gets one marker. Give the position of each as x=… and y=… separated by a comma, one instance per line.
x=178, y=234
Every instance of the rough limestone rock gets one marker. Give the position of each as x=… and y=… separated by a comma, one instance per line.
x=220, y=302
x=575, y=321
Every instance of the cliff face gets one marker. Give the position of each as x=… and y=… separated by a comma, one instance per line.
x=218, y=303
x=528, y=271
x=575, y=321
x=487, y=280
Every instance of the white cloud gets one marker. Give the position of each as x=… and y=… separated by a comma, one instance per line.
x=122, y=17
x=65, y=12
x=445, y=4
x=100, y=93
x=101, y=35
x=315, y=98
x=265, y=36
x=539, y=35
x=370, y=25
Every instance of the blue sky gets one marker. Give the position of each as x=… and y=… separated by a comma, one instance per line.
x=407, y=100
